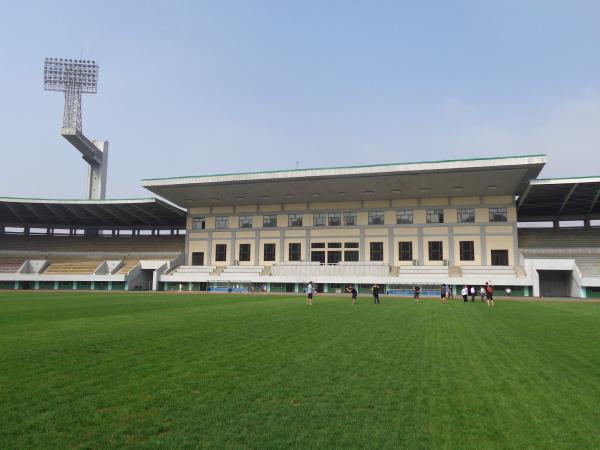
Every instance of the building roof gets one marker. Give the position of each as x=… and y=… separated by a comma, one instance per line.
x=463, y=177
x=105, y=214
x=560, y=198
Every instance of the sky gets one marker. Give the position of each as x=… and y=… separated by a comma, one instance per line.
x=202, y=87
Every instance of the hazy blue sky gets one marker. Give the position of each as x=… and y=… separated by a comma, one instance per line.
x=191, y=88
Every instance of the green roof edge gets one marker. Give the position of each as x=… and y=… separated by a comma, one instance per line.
x=567, y=178
x=344, y=167
x=81, y=199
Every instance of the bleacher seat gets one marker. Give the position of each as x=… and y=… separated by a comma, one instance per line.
x=531, y=238
x=72, y=268
x=10, y=265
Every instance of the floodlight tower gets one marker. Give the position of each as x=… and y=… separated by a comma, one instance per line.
x=75, y=77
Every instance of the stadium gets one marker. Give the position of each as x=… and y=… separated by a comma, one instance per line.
x=461, y=222
x=126, y=323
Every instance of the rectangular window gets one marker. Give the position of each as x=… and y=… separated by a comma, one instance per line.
x=221, y=222
x=376, y=251
x=404, y=216
x=436, y=251
x=320, y=220
x=244, y=254
x=335, y=219
x=467, y=250
x=317, y=245
x=351, y=245
x=435, y=216
x=498, y=215
x=245, y=221
x=350, y=219
x=499, y=257
x=405, y=251
x=376, y=218
x=351, y=255
x=221, y=252
x=294, y=220
x=334, y=245
x=270, y=221
x=465, y=215
x=294, y=251
x=269, y=252
x=334, y=257
x=198, y=223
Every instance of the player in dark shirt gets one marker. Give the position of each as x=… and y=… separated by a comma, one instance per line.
x=375, y=290
x=354, y=293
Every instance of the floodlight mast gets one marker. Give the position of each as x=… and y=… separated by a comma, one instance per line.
x=75, y=77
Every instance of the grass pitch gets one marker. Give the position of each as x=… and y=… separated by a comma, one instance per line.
x=106, y=370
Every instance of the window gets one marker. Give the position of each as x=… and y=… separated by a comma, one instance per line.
x=198, y=223
x=376, y=218
x=221, y=252
x=350, y=219
x=334, y=257
x=270, y=221
x=317, y=256
x=294, y=251
x=221, y=222
x=405, y=251
x=376, y=251
x=245, y=221
x=317, y=245
x=499, y=257
x=269, y=252
x=465, y=215
x=244, y=254
x=351, y=245
x=334, y=245
x=335, y=220
x=435, y=251
x=294, y=220
x=404, y=216
x=351, y=255
x=467, y=250
x=320, y=220
x=435, y=216
x=197, y=258
x=498, y=215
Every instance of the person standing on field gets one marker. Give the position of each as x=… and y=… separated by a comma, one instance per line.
x=472, y=294
x=354, y=293
x=482, y=293
x=309, y=293
x=375, y=291
x=465, y=294
x=443, y=293
x=489, y=294
x=417, y=293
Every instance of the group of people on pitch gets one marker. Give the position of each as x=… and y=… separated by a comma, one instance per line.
x=486, y=293
x=350, y=289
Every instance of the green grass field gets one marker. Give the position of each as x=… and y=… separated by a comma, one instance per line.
x=106, y=370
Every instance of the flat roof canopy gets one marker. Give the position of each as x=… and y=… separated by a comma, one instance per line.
x=468, y=177
x=560, y=199
x=103, y=214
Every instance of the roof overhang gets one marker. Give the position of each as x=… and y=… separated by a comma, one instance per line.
x=102, y=214
x=560, y=199
x=468, y=177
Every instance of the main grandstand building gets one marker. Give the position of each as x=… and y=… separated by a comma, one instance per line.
x=396, y=225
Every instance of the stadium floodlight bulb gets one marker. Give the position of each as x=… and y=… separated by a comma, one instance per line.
x=73, y=77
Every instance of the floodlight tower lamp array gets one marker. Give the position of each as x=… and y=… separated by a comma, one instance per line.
x=75, y=77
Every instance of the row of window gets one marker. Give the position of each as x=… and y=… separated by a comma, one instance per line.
x=333, y=253
x=403, y=216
